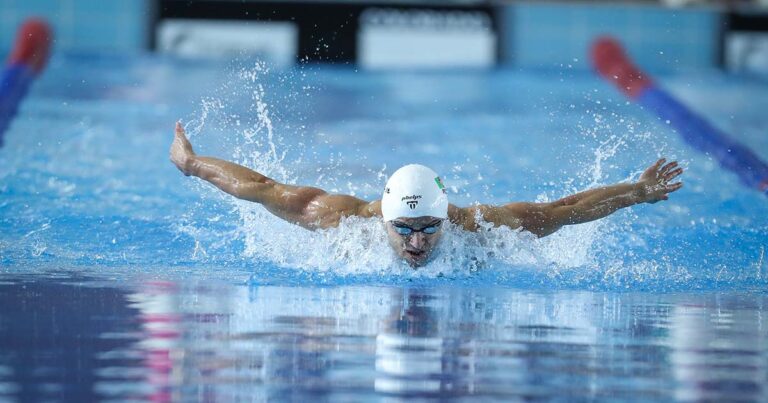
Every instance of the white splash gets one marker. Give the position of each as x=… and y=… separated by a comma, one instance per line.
x=360, y=246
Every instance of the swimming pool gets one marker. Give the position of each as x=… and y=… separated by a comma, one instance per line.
x=157, y=286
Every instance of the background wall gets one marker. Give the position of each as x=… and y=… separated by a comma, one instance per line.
x=82, y=25
x=528, y=34
x=659, y=39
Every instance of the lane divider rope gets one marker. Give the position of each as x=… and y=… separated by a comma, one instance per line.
x=613, y=64
x=26, y=61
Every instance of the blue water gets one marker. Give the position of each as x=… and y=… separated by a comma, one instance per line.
x=121, y=278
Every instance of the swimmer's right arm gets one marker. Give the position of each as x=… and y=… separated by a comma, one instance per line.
x=309, y=207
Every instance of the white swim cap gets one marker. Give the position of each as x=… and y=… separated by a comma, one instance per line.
x=414, y=191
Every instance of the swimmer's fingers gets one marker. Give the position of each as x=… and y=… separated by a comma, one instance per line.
x=672, y=174
x=672, y=188
x=181, y=152
x=179, y=131
x=180, y=137
x=666, y=189
x=668, y=167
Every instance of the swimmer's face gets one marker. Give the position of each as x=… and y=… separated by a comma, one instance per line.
x=414, y=239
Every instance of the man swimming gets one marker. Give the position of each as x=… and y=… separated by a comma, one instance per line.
x=414, y=203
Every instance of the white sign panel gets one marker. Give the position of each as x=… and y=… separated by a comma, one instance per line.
x=425, y=39
x=275, y=41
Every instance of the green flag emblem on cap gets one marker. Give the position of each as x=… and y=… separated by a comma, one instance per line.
x=440, y=183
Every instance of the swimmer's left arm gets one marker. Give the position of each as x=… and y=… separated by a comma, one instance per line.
x=543, y=219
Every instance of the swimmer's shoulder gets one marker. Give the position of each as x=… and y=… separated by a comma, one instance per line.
x=370, y=209
x=463, y=217
x=469, y=217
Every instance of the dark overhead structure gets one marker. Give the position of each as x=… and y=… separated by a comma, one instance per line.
x=327, y=31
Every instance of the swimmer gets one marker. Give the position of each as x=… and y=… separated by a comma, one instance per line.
x=414, y=204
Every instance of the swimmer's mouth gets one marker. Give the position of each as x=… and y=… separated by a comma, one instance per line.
x=415, y=254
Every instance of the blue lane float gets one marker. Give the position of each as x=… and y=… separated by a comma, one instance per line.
x=612, y=63
x=26, y=62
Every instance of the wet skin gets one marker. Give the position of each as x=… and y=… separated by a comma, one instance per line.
x=417, y=247
x=314, y=208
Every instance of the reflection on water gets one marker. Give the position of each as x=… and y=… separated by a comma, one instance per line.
x=56, y=339
x=77, y=339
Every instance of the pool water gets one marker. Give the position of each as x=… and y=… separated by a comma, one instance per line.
x=122, y=279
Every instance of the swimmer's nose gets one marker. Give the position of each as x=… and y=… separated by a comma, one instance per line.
x=416, y=241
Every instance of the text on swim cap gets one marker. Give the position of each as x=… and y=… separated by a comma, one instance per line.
x=412, y=201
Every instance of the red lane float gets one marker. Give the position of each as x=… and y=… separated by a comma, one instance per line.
x=26, y=62
x=612, y=63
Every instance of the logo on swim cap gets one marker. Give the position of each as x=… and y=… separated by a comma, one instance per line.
x=412, y=201
x=414, y=191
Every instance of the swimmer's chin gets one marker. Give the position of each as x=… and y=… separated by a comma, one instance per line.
x=415, y=265
x=417, y=262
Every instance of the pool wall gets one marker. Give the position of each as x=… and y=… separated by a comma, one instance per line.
x=88, y=26
x=560, y=35
x=524, y=34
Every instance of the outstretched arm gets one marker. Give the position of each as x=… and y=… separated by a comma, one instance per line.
x=310, y=207
x=543, y=219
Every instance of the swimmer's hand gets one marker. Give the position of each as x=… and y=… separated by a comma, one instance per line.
x=181, y=150
x=654, y=184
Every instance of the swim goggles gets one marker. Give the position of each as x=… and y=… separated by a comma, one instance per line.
x=405, y=230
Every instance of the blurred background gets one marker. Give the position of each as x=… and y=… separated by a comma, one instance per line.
x=665, y=36
x=122, y=280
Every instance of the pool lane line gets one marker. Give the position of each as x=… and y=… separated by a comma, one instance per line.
x=25, y=63
x=614, y=65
